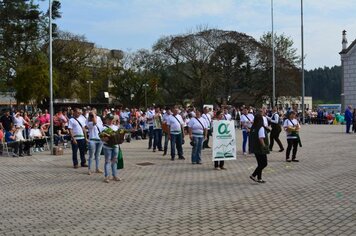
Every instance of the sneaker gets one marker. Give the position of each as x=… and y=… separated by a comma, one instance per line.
x=295, y=160
x=199, y=163
x=15, y=155
x=194, y=163
x=223, y=168
x=217, y=168
x=181, y=158
x=253, y=178
x=261, y=181
x=287, y=160
x=154, y=150
x=75, y=166
x=36, y=150
x=245, y=153
x=116, y=178
x=106, y=180
x=281, y=150
x=89, y=172
x=21, y=155
x=84, y=165
x=41, y=149
x=99, y=171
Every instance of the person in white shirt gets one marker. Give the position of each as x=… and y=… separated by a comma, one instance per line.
x=246, y=121
x=176, y=134
x=38, y=136
x=292, y=127
x=208, y=119
x=226, y=115
x=150, y=116
x=78, y=136
x=165, y=129
x=260, y=143
x=276, y=130
x=95, y=127
x=198, y=131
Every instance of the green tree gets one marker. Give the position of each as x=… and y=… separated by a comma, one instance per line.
x=287, y=73
x=32, y=79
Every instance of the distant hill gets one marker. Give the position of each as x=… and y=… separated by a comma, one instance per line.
x=324, y=84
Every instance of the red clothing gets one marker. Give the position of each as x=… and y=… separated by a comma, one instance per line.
x=42, y=119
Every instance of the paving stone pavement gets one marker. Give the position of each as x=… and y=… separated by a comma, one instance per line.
x=44, y=195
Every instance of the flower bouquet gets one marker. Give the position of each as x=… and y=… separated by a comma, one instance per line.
x=112, y=137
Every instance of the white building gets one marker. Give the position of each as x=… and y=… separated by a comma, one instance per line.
x=348, y=68
x=285, y=102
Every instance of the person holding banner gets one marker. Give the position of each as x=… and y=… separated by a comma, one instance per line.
x=219, y=165
x=198, y=132
x=259, y=139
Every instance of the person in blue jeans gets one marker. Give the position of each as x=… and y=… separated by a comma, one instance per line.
x=246, y=121
x=348, y=118
x=95, y=126
x=198, y=131
x=110, y=152
x=175, y=133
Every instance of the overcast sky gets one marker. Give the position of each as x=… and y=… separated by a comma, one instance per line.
x=136, y=24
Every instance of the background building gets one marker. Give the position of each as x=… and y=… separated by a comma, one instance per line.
x=348, y=81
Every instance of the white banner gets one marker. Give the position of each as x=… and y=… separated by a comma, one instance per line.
x=224, y=140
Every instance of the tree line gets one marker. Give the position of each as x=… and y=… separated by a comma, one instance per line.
x=204, y=66
x=324, y=84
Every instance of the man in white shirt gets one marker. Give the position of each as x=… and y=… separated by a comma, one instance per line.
x=150, y=116
x=246, y=121
x=79, y=139
x=176, y=135
x=207, y=117
x=226, y=115
x=166, y=115
x=276, y=130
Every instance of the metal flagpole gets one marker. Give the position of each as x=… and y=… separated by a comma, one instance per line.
x=50, y=76
x=302, y=39
x=273, y=61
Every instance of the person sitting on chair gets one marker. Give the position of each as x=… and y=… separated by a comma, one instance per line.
x=10, y=138
x=38, y=137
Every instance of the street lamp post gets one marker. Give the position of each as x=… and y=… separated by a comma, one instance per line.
x=50, y=78
x=273, y=61
x=302, y=39
x=145, y=86
x=90, y=82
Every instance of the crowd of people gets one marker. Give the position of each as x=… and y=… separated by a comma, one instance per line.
x=160, y=126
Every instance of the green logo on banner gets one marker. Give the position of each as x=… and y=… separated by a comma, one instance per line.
x=223, y=129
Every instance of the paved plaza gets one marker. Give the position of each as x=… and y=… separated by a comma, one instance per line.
x=44, y=195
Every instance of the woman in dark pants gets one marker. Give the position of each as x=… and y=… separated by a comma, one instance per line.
x=292, y=127
x=260, y=147
x=219, y=165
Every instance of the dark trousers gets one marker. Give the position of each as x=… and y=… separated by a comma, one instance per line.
x=165, y=143
x=348, y=125
x=176, y=142
x=261, y=164
x=218, y=164
x=292, y=143
x=275, y=137
x=150, y=136
x=81, y=145
x=16, y=146
x=157, y=142
x=206, y=142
